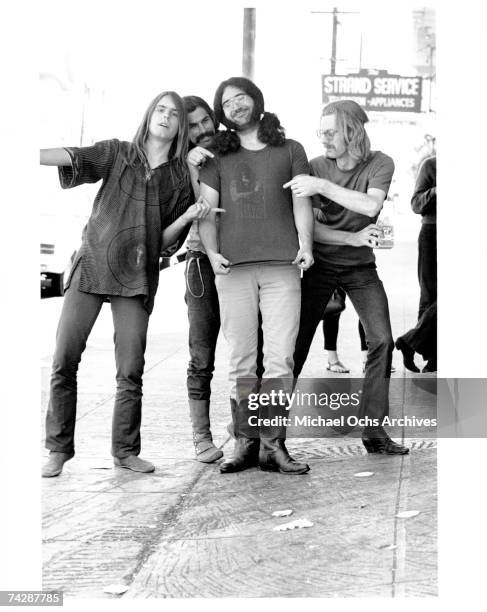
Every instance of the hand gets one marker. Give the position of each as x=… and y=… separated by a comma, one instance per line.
x=303, y=185
x=219, y=264
x=197, y=157
x=304, y=259
x=199, y=210
x=366, y=237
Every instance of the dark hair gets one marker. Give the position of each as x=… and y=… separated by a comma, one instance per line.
x=245, y=85
x=179, y=146
x=270, y=130
x=191, y=103
x=350, y=121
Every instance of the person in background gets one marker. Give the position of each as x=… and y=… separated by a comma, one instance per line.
x=422, y=338
x=331, y=324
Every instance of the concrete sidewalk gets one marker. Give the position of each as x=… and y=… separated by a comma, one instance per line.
x=189, y=531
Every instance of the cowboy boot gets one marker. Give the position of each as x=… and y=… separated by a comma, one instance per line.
x=206, y=451
x=376, y=440
x=274, y=457
x=246, y=447
x=273, y=454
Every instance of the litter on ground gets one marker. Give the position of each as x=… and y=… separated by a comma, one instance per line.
x=282, y=513
x=408, y=514
x=298, y=524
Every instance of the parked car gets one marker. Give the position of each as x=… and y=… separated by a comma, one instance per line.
x=56, y=254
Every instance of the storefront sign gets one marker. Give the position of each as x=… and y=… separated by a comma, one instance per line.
x=375, y=91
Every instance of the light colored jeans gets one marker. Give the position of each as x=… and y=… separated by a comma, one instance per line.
x=276, y=291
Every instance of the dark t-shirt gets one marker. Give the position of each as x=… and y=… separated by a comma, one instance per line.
x=121, y=242
x=258, y=225
x=423, y=201
x=375, y=173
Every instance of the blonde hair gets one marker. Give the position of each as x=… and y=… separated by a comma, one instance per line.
x=350, y=122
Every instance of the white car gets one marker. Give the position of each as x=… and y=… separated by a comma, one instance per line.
x=58, y=248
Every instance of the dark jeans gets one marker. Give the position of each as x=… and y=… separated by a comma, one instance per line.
x=79, y=313
x=422, y=338
x=204, y=324
x=331, y=324
x=427, y=266
x=366, y=292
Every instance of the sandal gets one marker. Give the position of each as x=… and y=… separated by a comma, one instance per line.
x=337, y=367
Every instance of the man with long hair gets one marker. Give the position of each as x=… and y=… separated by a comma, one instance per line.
x=264, y=240
x=349, y=184
x=142, y=206
x=201, y=296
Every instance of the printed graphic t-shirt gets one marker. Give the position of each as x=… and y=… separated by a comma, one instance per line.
x=376, y=172
x=258, y=225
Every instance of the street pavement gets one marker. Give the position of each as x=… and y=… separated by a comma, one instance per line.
x=188, y=531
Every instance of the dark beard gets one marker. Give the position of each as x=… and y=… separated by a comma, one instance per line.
x=254, y=118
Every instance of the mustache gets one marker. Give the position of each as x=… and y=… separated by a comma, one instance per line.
x=254, y=118
x=203, y=136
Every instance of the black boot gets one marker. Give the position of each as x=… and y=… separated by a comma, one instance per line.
x=246, y=448
x=273, y=457
x=430, y=366
x=377, y=441
x=407, y=355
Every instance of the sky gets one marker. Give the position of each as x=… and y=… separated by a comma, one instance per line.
x=124, y=57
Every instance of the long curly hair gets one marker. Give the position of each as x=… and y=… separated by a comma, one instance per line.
x=179, y=146
x=350, y=121
x=270, y=130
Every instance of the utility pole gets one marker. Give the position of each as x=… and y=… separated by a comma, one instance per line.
x=333, y=59
x=429, y=50
x=432, y=49
x=248, y=51
x=335, y=13
x=86, y=93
